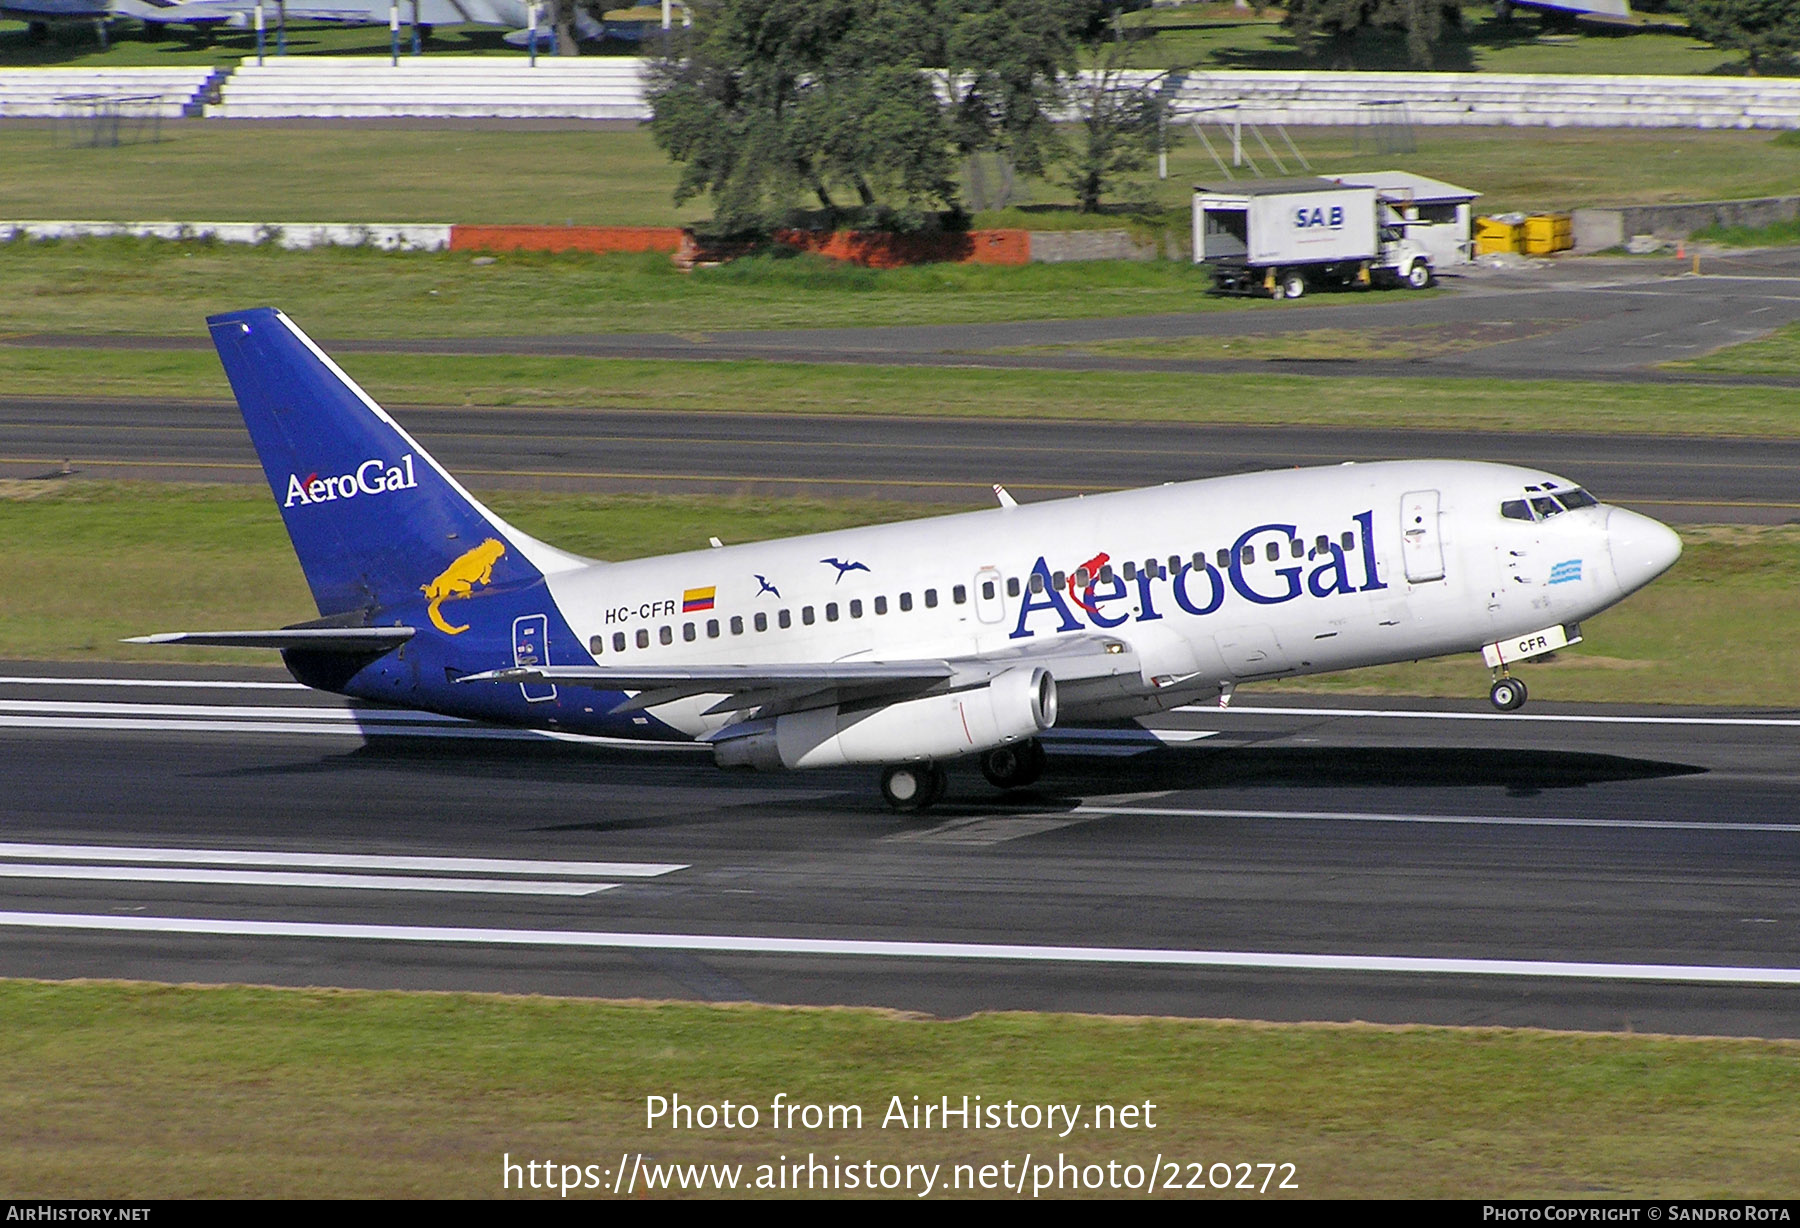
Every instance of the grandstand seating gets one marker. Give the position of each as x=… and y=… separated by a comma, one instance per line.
x=359, y=87
x=65, y=93
x=1347, y=99
x=610, y=87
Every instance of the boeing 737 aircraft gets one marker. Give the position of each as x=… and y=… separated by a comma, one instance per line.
x=902, y=646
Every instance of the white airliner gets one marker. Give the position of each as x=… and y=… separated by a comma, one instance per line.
x=905, y=645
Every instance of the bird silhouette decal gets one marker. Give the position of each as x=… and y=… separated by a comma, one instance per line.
x=843, y=567
x=766, y=586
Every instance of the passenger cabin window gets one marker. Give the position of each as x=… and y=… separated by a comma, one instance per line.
x=1106, y=574
x=1273, y=551
x=597, y=645
x=1349, y=540
x=959, y=594
x=881, y=605
x=905, y=602
x=737, y=624
x=1249, y=555
x=1130, y=571
x=1012, y=586
x=987, y=590
x=831, y=611
x=665, y=635
x=1060, y=580
x=762, y=622
x=931, y=599
x=1296, y=548
x=618, y=641
x=856, y=607
x=784, y=619
x=712, y=628
x=1224, y=558
x=1037, y=581
x=806, y=615
x=643, y=637
x=687, y=632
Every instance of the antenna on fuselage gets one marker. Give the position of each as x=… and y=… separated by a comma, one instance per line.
x=1006, y=499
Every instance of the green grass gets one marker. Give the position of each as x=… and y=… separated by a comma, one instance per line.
x=1776, y=354
x=451, y=172
x=132, y=1091
x=823, y=388
x=1775, y=233
x=91, y=563
x=144, y=286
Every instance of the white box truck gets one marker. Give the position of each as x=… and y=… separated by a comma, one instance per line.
x=1282, y=237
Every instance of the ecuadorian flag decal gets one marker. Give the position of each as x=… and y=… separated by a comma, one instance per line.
x=1566, y=571
x=694, y=600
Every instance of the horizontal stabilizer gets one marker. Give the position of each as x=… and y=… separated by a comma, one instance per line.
x=318, y=639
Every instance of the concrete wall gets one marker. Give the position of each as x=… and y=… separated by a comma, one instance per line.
x=1598, y=229
x=1057, y=246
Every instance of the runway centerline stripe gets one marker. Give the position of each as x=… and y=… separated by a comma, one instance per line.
x=1552, y=717
x=338, y=861
x=1277, y=961
x=1461, y=820
x=290, y=878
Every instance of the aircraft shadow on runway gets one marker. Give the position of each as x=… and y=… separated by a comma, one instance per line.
x=1071, y=774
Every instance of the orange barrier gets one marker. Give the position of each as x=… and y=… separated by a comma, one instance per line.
x=565, y=238
x=875, y=249
x=879, y=250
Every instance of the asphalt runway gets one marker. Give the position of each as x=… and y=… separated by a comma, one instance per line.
x=952, y=461
x=1570, y=867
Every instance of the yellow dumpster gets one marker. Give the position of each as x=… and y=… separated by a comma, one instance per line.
x=1498, y=234
x=1549, y=232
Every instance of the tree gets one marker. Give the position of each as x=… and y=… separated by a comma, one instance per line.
x=1764, y=30
x=1327, y=28
x=775, y=100
x=1118, y=125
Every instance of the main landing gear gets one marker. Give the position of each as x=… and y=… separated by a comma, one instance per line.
x=913, y=786
x=1507, y=694
x=1015, y=766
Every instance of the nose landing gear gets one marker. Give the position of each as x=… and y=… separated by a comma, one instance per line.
x=1507, y=694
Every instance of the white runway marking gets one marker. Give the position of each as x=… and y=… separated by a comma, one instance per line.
x=1568, y=718
x=1713, y=974
x=1467, y=820
x=289, y=878
x=338, y=861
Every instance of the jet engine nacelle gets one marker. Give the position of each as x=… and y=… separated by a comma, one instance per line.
x=1017, y=705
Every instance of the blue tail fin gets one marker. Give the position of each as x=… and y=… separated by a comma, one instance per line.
x=373, y=518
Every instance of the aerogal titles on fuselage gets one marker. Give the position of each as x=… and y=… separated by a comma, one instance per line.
x=1202, y=591
x=373, y=477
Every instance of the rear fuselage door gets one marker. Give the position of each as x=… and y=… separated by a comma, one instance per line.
x=531, y=646
x=1421, y=542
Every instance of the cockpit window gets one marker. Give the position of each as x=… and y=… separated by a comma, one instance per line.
x=1541, y=503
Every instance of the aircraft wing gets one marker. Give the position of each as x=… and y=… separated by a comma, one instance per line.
x=785, y=687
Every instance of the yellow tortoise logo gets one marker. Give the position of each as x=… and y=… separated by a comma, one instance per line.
x=476, y=567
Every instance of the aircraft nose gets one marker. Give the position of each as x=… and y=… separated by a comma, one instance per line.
x=1641, y=548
